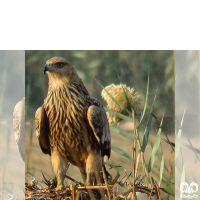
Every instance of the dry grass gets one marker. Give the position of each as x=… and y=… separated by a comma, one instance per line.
x=78, y=191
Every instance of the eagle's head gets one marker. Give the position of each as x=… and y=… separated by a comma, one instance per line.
x=59, y=69
x=57, y=65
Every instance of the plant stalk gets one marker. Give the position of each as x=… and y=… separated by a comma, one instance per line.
x=134, y=151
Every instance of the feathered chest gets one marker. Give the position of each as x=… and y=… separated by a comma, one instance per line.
x=66, y=111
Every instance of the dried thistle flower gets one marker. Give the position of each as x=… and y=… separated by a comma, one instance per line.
x=118, y=92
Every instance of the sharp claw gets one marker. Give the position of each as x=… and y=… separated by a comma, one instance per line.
x=59, y=187
x=45, y=180
x=50, y=183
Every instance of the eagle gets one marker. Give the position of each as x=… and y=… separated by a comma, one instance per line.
x=19, y=126
x=72, y=126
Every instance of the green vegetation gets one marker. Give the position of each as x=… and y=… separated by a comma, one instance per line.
x=156, y=150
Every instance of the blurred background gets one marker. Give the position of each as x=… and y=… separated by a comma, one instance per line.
x=12, y=90
x=107, y=67
x=187, y=108
x=129, y=67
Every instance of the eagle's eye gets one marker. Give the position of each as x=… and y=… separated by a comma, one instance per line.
x=60, y=65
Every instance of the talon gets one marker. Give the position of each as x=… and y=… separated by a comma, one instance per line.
x=53, y=182
x=59, y=188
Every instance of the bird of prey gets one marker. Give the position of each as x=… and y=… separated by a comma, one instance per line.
x=19, y=126
x=72, y=126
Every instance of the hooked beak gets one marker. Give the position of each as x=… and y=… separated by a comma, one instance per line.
x=46, y=68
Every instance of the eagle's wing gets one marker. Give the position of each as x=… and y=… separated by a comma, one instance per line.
x=98, y=121
x=42, y=130
x=19, y=126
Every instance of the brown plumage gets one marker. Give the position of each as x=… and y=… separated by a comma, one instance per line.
x=72, y=126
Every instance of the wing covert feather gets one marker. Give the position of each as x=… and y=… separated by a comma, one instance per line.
x=98, y=121
x=42, y=130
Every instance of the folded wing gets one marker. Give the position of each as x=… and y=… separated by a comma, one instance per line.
x=97, y=119
x=42, y=130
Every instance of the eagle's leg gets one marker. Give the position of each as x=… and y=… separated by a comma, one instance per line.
x=59, y=168
x=93, y=169
x=83, y=174
x=94, y=172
